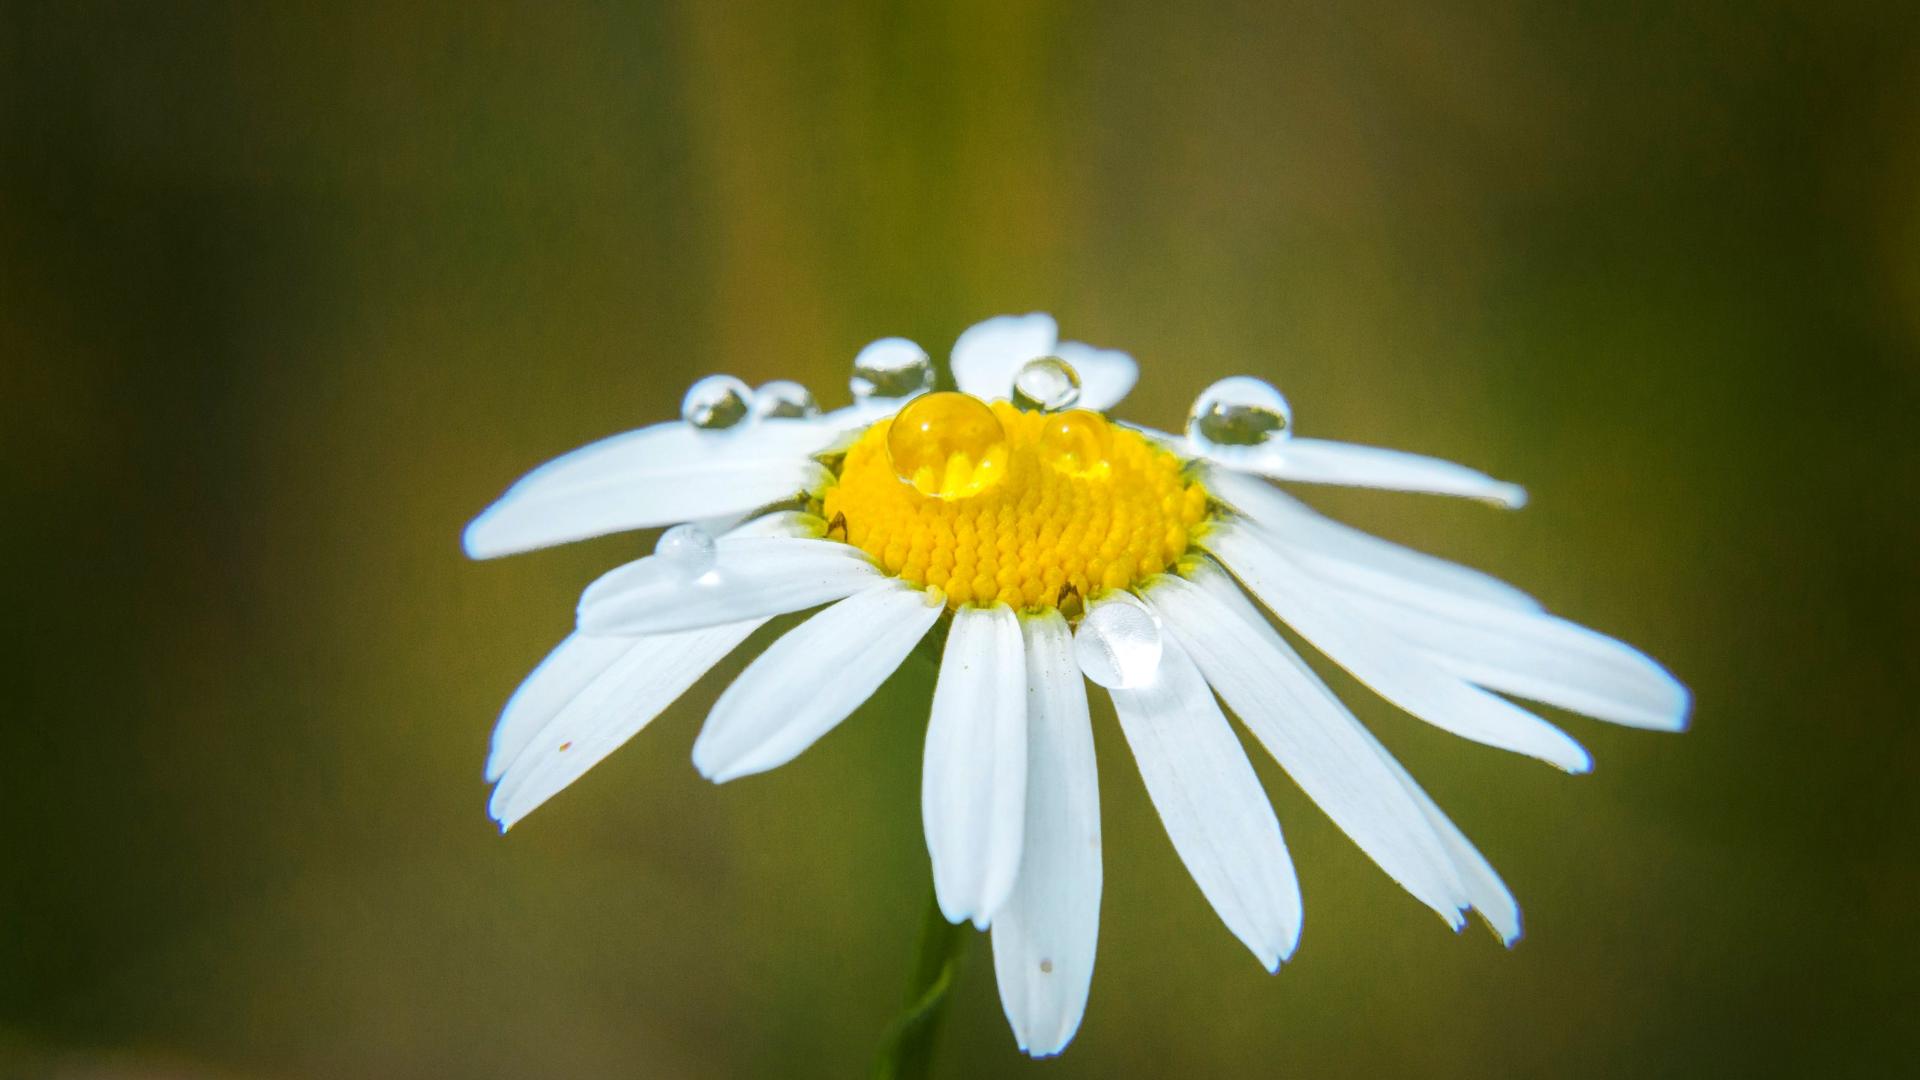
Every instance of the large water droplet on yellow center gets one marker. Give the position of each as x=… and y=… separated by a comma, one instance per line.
x=1077, y=442
x=948, y=445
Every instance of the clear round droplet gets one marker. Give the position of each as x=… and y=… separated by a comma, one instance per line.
x=948, y=445
x=1118, y=645
x=1076, y=442
x=1239, y=411
x=689, y=549
x=715, y=403
x=1046, y=384
x=783, y=399
x=891, y=368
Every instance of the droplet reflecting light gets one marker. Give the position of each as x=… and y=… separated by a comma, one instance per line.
x=688, y=549
x=1076, y=442
x=948, y=445
x=1046, y=384
x=783, y=399
x=1118, y=644
x=715, y=403
x=1238, y=411
x=891, y=368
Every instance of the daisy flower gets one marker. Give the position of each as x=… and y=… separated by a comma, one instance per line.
x=1037, y=541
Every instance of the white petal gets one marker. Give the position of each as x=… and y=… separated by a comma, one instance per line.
x=1485, y=891
x=1044, y=936
x=608, y=711
x=1106, y=375
x=1395, y=670
x=1300, y=722
x=1212, y=805
x=660, y=475
x=810, y=679
x=1320, y=461
x=1531, y=654
x=752, y=577
x=988, y=354
x=973, y=784
x=570, y=668
x=1346, y=554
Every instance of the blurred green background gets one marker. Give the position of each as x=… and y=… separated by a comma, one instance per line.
x=290, y=291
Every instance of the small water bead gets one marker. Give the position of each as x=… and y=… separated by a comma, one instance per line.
x=1118, y=644
x=1046, y=384
x=948, y=445
x=1238, y=411
x=1076, y=442
x=783, y=399
x=688, y=549
x=891, y=368
x=715, y=403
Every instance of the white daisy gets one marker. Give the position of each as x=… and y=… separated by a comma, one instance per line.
x=1049, y=543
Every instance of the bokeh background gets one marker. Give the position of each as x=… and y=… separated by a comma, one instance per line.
x=289, y=291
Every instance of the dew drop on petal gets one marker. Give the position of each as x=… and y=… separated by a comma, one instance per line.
x=1118, y=645
x=688, y=549
x=1238, y=411
x=1076, y=442
x=948, y=445
x=891, y=368
x=715, y=403
x=783, y=399
x=1046, y=384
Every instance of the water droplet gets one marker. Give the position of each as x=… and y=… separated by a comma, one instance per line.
x=891, y=368
x=1076, y=442
x=1238, y=411
x=948, y=445
x=688, y=549
x=1118, y=644
x=1046, y=384
x=715, y=403
x=783, y=399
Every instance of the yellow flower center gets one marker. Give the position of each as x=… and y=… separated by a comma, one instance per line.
x=988, y=503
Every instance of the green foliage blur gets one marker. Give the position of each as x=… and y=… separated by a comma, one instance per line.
x=289, y=291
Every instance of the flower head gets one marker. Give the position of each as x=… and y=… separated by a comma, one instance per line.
x=1054, y=544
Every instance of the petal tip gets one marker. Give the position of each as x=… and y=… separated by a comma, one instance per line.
x=1510, y=496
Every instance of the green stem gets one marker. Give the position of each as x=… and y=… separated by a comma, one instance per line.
x=907, y=1051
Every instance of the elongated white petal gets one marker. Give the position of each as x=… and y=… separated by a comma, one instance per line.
x=1531, y=654
x=1045, y=935
x=1485, y=891
x=1347, y=555
x=811, y=678
x=1475, y=625
x=1212, y=805
x=1106, y=375
x=1308, y=731
x=609, y=710
x=574, y=503
x=988, y=354
x=751, y=577
x=1394, y=669
x=973, y=784
x=571, y=667
x=1321, y=461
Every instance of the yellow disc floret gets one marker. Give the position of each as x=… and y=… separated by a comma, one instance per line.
x=1074, y=507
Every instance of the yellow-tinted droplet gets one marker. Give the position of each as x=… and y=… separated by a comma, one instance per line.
x=1076, y=442
x=948, y=445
